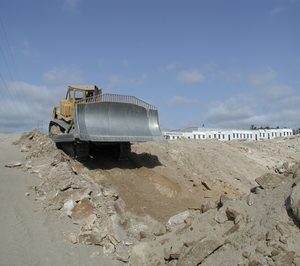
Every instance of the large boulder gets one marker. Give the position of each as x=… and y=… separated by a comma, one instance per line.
x=295, y=202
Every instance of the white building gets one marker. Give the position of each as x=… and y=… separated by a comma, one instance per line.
x=228, y=134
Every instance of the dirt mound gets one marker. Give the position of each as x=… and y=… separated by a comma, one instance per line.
x=257, y=229
x=184, y=202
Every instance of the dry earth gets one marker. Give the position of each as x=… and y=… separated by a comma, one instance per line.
x=175, y=203
x=28, y=234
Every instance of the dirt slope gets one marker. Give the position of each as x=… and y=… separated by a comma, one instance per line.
x=171, y=200
x=28, y=234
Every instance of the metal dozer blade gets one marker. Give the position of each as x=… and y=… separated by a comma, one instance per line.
x=116, y=122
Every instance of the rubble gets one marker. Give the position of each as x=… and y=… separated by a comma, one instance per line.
x=13, y=164
x=224, y=223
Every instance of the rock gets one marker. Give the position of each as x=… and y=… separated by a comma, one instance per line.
x=90, y=238
x=108, y=248
x=68, y=206
x=232, y=230
x=270, y=235
x=206, y=185
x=72, y=238
x=295, y=202
x=24, y=148
x=250, y=199
x=146, y=254
x=159, y=230
x=246, y=254
x=198, y=252
x=205, y=207
x=178, y=218
x=13, y=164
x=290, y=167
x=64, y=184
x=112, y=240
x=27, y=194
x=274, y=252
x=223, y=199
x=233, y=215
x=82, y=211
x=122, y=253
x=285, y=259
x=269, y=181
x=261, y=248
x=221, y=216
x=257, y=190
x=283, y=240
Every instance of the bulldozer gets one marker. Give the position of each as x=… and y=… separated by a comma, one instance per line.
x=87, y=119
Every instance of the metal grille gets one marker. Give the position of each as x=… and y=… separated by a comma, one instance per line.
x=116, y=98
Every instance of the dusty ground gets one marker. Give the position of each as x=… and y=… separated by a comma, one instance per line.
x=28, y=234
x=178, y=203
x=164, y=179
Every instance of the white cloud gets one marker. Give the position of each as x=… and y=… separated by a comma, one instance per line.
x=270, y=104
x=181, y=100
x=276, y=91
x=229, y=112
x=24, y=104
x=190, y=77
x=63, y=76
x=263, y=78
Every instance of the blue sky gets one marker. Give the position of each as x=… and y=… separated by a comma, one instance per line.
x=220, y=63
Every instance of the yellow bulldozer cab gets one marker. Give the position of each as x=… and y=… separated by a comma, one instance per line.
x=78, y=94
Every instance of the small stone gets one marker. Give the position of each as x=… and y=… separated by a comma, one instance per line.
x=270, y=236
x=283, y=240
x=246, y=254
x=179, y=218
x=221, y=217
x=13, y=164
x=205, y=207
x=250, y=199
x=122, y=253
x=285, y=259
x=262, y=249
x=274, y=252
x=68, y=206
x=198, y=252
x=27, y=194
x=269, y=181
x=206, y=185
x=82, y=211
x=72, y=238
x=223, y=199
x=231, y=213
x=24, y=148
x=108, y=248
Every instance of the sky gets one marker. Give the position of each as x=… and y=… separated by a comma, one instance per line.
x=217, y=63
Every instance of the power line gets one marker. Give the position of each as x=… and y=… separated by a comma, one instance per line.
x=10, y=50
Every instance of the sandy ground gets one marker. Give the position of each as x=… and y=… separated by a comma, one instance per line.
x=173, y=203
x=29, y=235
